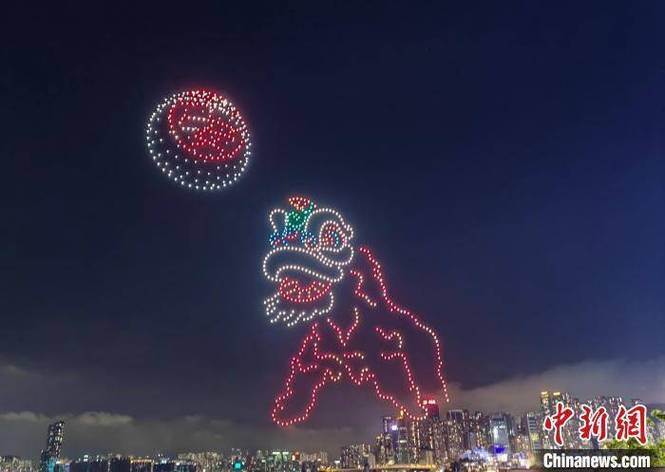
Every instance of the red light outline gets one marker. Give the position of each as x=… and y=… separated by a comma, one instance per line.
x=208, y=142
x=365, y=375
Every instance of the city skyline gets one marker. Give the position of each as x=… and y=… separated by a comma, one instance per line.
x=528, y=421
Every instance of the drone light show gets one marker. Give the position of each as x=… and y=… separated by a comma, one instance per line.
x=356, y=333
x=199, y=139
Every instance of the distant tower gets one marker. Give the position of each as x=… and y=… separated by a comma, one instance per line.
x=429, y=433
x=53, y=448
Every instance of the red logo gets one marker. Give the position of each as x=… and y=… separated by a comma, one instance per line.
x=594, y=423
x=204, y=130
x=632, y=423
x=557, y=421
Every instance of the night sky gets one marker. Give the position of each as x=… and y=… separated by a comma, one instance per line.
x=504, y=160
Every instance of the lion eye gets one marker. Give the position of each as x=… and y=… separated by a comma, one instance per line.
x=332, y=237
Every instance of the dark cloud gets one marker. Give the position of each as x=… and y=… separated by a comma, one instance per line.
x=640, y=379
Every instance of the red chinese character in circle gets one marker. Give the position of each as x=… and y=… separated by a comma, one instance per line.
x=631, y=423
x=557, y=421
x=594, y=423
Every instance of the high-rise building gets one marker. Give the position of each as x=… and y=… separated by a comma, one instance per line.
x=404, y=440
x=500, y=426
x=429, y=434
x=570, y=436
x=386, y=442
x=534, y=430
x=51, y=453
x=383, y=449
x=455, y=432
x=405, y=449
x=478, y=431
x=548, y=401
x=357, y=456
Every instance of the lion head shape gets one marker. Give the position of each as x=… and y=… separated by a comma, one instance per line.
x=310, y=251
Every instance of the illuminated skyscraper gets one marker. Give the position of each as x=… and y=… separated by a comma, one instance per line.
x=500, y=431
x=548, y=401
x=455, y=432
x=51, y=453
x=388, y=422
x=357, y=456
x=386, y=442
x=430, y=434
x=570, y=436
x=404, y=444
x=478, y=431
x=400, y=440
x=534, y=430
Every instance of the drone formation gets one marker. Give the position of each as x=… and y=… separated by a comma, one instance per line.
x=355, y=332
x=319, y=236
x=199, y=139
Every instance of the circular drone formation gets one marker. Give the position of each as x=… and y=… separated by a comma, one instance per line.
x=199, y=139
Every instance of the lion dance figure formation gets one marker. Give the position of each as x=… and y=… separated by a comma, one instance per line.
x=357, y=333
